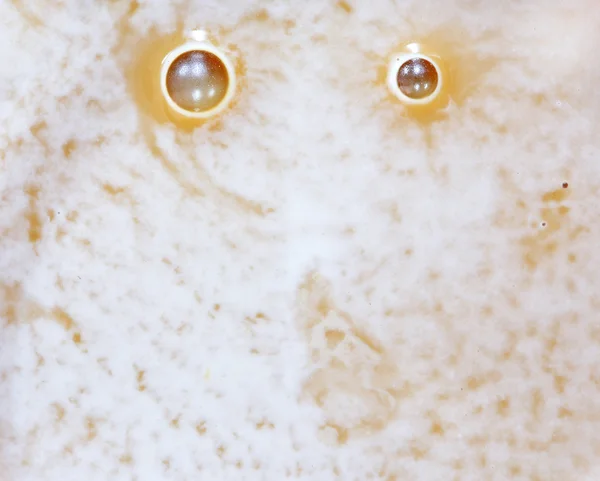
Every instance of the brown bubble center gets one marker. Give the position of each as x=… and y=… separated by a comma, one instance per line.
x=417, y=78
x=197, y=81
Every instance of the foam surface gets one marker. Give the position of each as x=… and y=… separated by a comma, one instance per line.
x=313, y=286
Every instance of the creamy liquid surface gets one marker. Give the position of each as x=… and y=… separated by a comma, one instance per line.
x=314, y=285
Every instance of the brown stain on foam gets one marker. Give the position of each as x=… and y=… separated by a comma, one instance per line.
x=478, y=381
x=201, y=428
x=10, y=299
x=503, y=406
x=546, y=377
x=59, y=412
x=555, y=232
x=345, y=6
x=16, y=307
x=37, y=216
x=143, y=75
x=264, y=424
x=340, y=351
x=126, y=458
x=261, y=19
x=63, y=318
x=32, y=214
x=140, y=379
x=28, y=16
x=38, y=131
x=91, y=429
x=113, y=190
x=546, y=223
x=68, y=148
